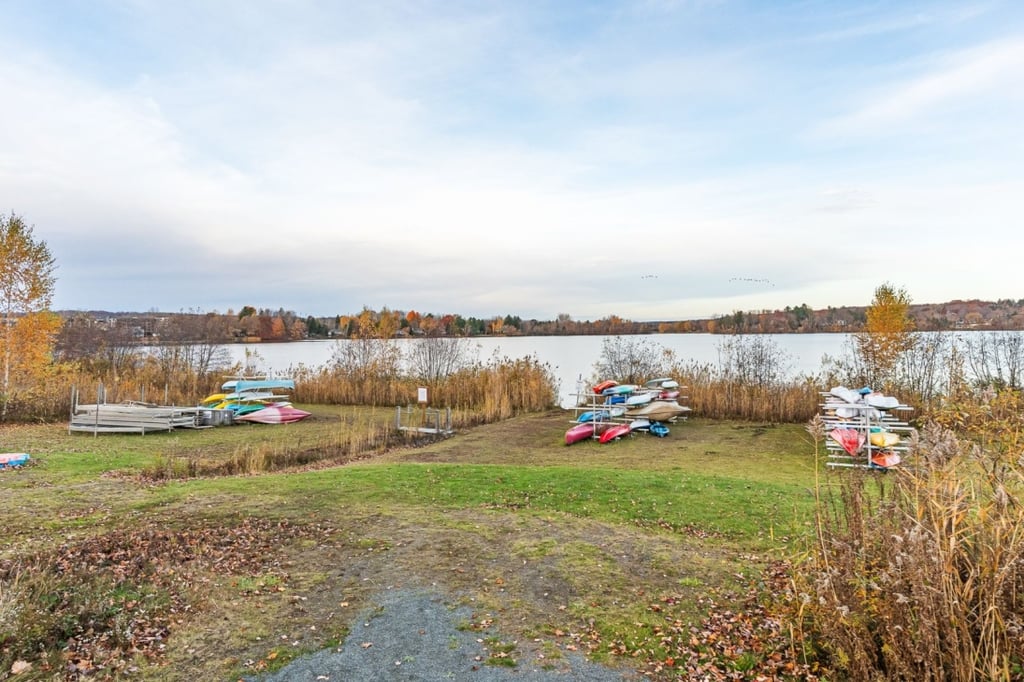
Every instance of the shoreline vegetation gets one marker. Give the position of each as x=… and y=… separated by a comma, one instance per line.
x=251, y=325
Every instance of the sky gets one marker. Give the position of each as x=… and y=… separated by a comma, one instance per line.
x=654, y=159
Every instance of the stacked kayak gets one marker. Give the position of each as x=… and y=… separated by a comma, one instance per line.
x=613, y=410
x=256, y=400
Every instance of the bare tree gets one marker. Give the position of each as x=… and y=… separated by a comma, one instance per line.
x=996, y=358
x=632, y=360
x=434, y=357
x=753, y=361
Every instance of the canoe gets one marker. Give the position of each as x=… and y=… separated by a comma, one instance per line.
x=584, y=431
x=659, y=411
x=274, y=415
x=13, y=459
x=614, y=432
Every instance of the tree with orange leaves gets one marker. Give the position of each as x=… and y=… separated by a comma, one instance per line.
x=27, y=329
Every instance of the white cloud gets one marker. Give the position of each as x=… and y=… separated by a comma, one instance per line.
x=473, y=162
x=976, y=79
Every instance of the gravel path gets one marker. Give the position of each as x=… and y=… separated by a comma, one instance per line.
x=415, y=636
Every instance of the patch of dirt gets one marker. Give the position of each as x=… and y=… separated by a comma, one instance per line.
x=543, y=584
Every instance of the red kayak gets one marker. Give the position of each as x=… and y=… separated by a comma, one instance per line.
x=614, y=433
x=604, y=386
x=273, y=414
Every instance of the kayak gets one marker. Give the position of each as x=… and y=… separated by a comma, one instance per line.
x=274, y=415
x=641, y=424
x=638, y=399
x=13, y=459
x=584, y=431
x=851, y=440
x=604, y=385
x=662, y=382
x=884, y=439
x=619, y=389
x=658, y=429
x=885, y=459
x=614, y=433
x=659, y=411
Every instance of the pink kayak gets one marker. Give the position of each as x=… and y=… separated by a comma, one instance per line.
x=852, y=440
x=585, y=431
x=273, y=414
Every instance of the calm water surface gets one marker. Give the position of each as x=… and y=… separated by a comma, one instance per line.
x=571, y=358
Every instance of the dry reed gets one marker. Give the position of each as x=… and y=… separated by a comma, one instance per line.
x=919, y=574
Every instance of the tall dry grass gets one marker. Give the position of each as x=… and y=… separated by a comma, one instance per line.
x=716, y=395
x=918, y=574
x=348, y=443
x=481, y=392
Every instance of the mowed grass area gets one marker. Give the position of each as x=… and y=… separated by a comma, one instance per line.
x=560, y=547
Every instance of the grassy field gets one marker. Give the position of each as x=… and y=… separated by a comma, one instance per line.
x=630, y=551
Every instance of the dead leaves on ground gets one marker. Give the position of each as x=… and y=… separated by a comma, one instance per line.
x=113, y=598
x=747, y=644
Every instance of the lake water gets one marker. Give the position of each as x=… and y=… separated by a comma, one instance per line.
x=570, y=357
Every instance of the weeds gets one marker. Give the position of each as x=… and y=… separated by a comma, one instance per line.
x=920, y=574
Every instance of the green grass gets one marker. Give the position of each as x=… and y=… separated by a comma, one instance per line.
x=733, y=507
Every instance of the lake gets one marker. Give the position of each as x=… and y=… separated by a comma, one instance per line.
x=572, y=358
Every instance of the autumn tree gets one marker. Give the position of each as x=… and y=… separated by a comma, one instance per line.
x=370, y=354
x=27, y=328
x=887, y=333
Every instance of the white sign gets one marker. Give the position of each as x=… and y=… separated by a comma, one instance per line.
x=421, y=394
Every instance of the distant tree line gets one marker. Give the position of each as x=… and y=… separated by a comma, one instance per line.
x=85, y=330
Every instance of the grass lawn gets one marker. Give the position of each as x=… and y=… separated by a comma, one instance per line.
x=590, y=547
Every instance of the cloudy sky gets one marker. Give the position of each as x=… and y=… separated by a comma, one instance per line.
x=655, y=159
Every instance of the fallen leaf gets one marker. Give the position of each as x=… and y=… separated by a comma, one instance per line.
x=20, y=667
